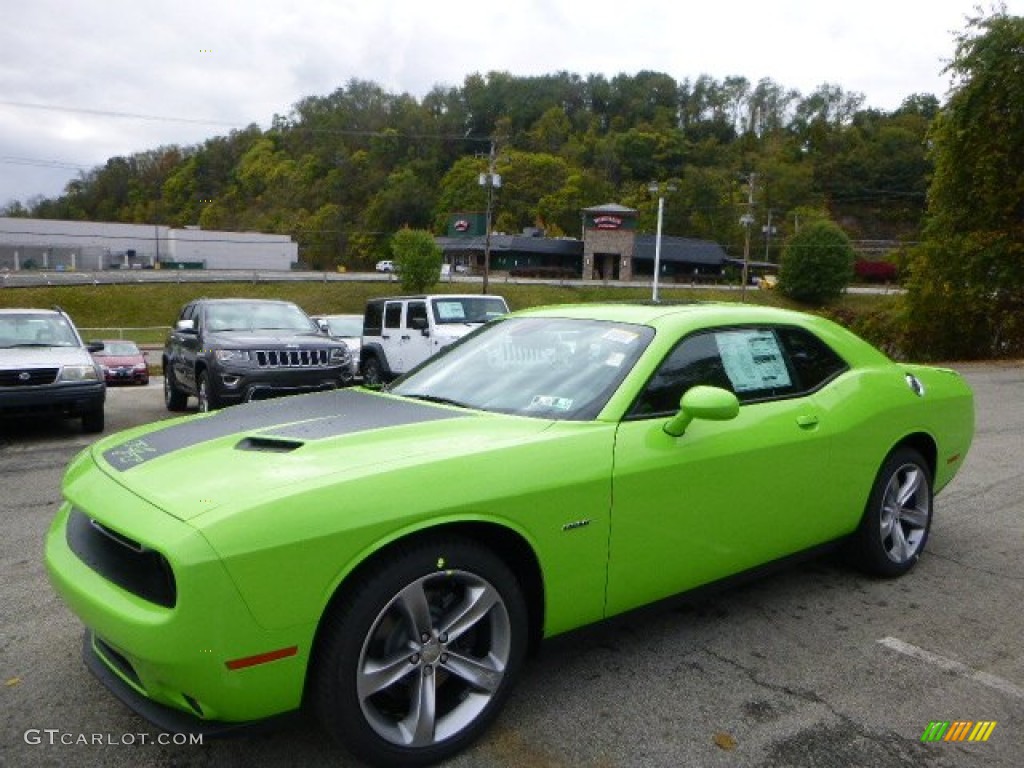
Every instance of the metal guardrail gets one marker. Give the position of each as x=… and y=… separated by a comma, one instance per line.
x=148, y=335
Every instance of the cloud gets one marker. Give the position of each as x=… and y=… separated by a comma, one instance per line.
x=240, y=63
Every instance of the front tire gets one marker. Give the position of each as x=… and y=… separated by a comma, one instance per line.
x=373, y=372
x=93, y=421
x=898, y=517
x=205, y=393
x=418, y=658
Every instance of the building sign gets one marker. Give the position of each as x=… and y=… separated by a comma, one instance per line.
x=466, y=224
x=610, y=221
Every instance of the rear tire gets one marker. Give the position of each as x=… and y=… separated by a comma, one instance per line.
x=898, y=516
x=417, y=659
x=174, y=398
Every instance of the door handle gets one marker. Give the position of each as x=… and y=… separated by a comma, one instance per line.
x=807, y=421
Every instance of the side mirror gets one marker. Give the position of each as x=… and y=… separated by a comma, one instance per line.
x=418, y=323
x=185, y=326
x=94, y=346
x=322, y=325
x=708, y=403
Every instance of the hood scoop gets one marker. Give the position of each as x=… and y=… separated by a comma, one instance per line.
x=268, y=445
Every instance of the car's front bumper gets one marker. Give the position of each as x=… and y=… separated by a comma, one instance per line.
x=183, y=655
x=72, y=399
x=242, y=385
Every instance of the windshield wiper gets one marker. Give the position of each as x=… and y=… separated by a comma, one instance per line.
x=438, y=400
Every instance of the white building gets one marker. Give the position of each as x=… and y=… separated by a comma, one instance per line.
x=83, y=245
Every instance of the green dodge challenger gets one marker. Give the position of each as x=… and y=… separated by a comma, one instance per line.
x=388, y=558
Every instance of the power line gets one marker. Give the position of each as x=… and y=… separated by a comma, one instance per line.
x=111, y=113
x=40, y=163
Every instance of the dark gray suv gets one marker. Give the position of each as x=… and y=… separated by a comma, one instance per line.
x=228, y=351
x=46, y=368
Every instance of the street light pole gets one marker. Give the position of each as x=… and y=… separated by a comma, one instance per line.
x=657, y=249
x=656, y=188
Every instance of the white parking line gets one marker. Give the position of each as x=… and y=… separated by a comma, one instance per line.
x=949, y=665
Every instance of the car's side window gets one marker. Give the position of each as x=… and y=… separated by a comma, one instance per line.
x=812, y=360
x=393, y=315
x=755, y=364
x=373, y=319
x=416, y=315
x=694, y=361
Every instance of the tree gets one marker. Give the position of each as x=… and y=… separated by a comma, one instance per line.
x=417, y=258
x=817, y=264
x=966, y=291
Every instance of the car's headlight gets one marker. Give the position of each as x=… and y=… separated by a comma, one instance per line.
x=231, y=355
x=79, y=373
x=340, y=355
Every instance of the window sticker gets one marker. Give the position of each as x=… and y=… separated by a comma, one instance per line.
x=620, y=336
x=615, y=359
x=549, y=402
x=752, y=360
x=450, y=310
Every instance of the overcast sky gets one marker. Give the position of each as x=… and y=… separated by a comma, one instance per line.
x=80, y=80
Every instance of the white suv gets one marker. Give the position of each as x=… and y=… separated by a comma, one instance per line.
x=401, y=332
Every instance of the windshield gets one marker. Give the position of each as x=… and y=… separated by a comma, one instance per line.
x=468, y=309
x=552, y=368
x=345, y=326
x=43, y=330
x=119, y=349
x=258, y=316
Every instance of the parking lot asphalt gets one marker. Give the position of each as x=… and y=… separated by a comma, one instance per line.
x=814, y=666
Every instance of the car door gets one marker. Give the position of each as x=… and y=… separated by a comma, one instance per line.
x=415, y=339
x=181, y=361
x=391, y=335
x=727, y=495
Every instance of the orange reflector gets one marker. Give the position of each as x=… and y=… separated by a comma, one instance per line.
x=262, y=658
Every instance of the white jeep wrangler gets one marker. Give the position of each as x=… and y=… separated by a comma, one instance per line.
x=401, y=332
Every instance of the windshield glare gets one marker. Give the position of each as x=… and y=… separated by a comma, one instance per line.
x=552, y=368
x=256, y=316
x=345, y=326
x=468, y=309
x=43, y=330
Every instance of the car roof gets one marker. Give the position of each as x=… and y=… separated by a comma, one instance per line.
x=678, y=319
x=240, y=301
x=441, y=296
x=28, y=311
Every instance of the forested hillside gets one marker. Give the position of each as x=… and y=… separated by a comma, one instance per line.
x=342, y=172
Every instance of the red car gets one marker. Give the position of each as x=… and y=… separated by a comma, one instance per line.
x=122, y=362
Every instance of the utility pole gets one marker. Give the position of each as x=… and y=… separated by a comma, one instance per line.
x=747, y=220
x=490, y=180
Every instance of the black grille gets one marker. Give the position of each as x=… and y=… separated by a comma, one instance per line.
x=293, y=358
x=28, y=377
x=117, y=660
x=124, y=561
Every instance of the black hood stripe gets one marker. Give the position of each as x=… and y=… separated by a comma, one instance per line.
x=299, y=417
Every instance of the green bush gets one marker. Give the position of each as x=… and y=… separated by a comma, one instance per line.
x=817, y=264
x=417, y=258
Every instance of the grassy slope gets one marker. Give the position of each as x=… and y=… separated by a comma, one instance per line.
x=156, y=305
